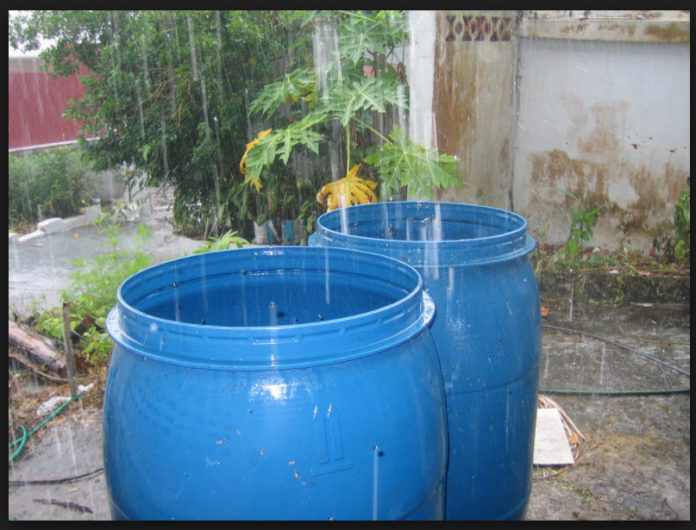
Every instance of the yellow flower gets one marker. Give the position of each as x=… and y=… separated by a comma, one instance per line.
x=249, y=146
x=349, y=190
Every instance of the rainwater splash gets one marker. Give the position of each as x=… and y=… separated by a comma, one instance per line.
x=273, y=313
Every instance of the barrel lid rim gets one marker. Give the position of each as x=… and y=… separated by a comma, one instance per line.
x=275, y=251
x=404, y=308
x=491, y=240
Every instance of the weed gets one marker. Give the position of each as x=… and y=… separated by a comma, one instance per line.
x=585, y=493
x=682, y=223
x=92, y=294
x=223, y=242
x=581, y=228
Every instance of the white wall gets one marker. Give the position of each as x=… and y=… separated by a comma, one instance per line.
x=608, y=119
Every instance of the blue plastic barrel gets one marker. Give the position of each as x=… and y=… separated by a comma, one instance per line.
x=487, y=330
x=274, y=383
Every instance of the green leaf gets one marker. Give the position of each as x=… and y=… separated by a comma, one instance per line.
x=297, y=84
x=380, y=32
x=365, y=95
x=281, y=142
x=406, y=163
x=681, y=249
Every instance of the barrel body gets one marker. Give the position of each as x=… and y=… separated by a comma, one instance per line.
x=285, y=383
x=487, y=331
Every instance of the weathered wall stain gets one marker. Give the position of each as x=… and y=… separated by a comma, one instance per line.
x=601, y=25
x=529, y=117
x=577, y=28
x=670, y=33
x=608, y=160
x=644, y=219
x=629, y=29
x=473, y=103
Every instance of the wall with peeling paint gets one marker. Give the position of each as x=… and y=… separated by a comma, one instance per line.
x=536, y=102
x=473, y=101
x=606, y=120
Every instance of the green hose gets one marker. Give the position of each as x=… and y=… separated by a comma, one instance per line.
x=22, y=442
x=656, y=391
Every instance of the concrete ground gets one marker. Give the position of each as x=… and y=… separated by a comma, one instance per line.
x=636, y=461
x=39, y=267
x=619, y=374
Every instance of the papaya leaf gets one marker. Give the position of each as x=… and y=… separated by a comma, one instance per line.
x=406, y=163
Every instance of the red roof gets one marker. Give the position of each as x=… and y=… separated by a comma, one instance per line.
x=37, y=102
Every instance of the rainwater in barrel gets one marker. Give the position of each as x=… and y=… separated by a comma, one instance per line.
x=274, y=383
x=487, y=330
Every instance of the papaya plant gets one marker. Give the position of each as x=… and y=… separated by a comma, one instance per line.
x=351, y=92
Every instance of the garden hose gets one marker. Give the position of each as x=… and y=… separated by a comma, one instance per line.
x=641, y=392
x=647, y=392
x=22, y=441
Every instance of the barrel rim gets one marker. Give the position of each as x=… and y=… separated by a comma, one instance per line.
x=272, y=346
x=508, y=244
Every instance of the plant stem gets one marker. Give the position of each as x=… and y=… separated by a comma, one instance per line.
x=373, y=130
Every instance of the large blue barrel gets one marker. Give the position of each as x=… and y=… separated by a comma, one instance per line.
x=487, y=330
x=274, y=383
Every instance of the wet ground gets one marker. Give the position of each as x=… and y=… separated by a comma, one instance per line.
x=629, y=368
x=39, y=269
x=619, y=374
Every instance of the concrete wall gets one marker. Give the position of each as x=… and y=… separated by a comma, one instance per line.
x=473, y=101
x=534, y=103
x=604, y=119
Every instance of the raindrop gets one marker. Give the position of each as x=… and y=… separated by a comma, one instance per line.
x=273, y=313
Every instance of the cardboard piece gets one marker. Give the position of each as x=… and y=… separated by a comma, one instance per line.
x=551, y=446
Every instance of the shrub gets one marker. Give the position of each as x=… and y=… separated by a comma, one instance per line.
x=47, y=184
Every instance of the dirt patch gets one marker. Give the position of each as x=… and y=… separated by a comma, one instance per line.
x=648, y=288
x=27, y=390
